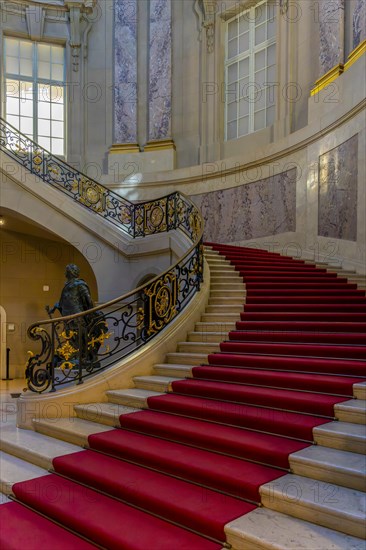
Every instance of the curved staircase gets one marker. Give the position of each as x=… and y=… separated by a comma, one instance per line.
x=250, y=436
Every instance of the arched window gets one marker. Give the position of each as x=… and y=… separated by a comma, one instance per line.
x=35, y=91
x=250, y=65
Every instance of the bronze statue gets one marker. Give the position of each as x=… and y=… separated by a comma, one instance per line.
x=75, y=296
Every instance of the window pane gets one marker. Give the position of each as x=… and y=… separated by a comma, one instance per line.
x=270, y=95
x=57, y=147
x=243, y=126
x=243, y=24
x=26, y=49
x=26, y=107
x=233, y=48
x=12, y=65
x=12, y=47
x=13, y=120
x=26, y=90
x=244, y=68
x=232, y=112
x=44, y=127
x=271, y=74
x=270, y=115
x=271, y=55
x=260, y=78
x=244, y=42
x=260, y=100
x=44, y=92
x=243, y=107
x=231, y=130
x=57, y=111
x=233, y=29
x=44, y=110
x=12, y=88
x=26, y=67
x=231, y=92
x=57, y=54
x=260, y=34
x=44, y=142
x=259, y=120
x=44, y=70
x=57, y=72
x=26, y=125
x=44, y=52
x=232, y=73
x=244, y=88
x=58, y=129
x=260, y=60
x=12, y=106
x=260, y=14
x=57, y=94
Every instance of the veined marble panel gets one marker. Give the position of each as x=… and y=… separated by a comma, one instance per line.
x=258, y=209
x=160, y=61
x=125, y=71
x=359, y=23
x=331, y=28
x=337, y=214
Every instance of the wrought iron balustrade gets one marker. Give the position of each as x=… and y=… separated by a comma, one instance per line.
x=75, y=347
x=136, y=219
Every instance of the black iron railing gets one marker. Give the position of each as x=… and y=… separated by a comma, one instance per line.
x=75, y=347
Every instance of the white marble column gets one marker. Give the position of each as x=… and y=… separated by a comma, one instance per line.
x=125, y=72
x=359, y=23
x=160, y=61
x=331, y=27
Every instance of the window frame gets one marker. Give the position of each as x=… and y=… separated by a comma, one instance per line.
x=37, y=82
x=250, y=54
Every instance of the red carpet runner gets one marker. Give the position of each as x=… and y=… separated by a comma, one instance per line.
x=175, y=474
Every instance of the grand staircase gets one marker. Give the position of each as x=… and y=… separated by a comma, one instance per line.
x=250, y=436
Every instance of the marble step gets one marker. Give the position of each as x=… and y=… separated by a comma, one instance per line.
x=341, y=435
x=217, y=261
x=230, y=278
x=155, y=383
x=228, y=293
x=227, y=300
x=220, y=267
x=207, y=336
x=103, y=413
x=232, y=274
x=132, y=397
x=14, y=470
x=4, y=499
x=194, y=359
x=264, y=529
x=198, y=347
x=33, y=447
x=169, y=369
x=227, y=286
x=225, y=308
x=325, y=504
x=73, y=430
x=359, y=390
x=353, y=411
x=215, y=326
x=220, y=317
x=330, y=465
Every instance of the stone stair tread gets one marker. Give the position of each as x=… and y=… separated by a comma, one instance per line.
x=14, y=470
x=216, y=324
x=4, y=499
x=265, y=529
x=133, y=397
x=332, y=465
x=323, y=503
x=73, y=430
x=194, y=359
x=353, y=410
x=210, y=347
x=341, y=435
x=155, y=382
x=157, y=378
x=103, y=413
x=207, y=336
x=359, y=390
x=32, y=446
x=182, y=370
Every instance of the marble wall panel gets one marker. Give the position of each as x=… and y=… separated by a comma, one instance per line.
x=331, y=28
x=359, y=23
x=125, y=71
x=160, y=68
x=258, y=209
x=337, y=213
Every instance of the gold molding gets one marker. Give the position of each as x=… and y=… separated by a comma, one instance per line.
x=123, y=148
x=158, y=145
x=355, y=55
x=327, y=78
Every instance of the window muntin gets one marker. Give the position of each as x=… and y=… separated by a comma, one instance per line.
x=250, y=70
x=35, y=91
